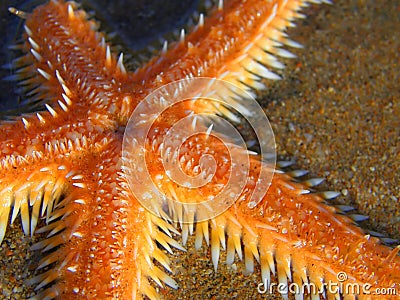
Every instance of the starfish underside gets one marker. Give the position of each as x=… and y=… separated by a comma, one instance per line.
x=64, y=164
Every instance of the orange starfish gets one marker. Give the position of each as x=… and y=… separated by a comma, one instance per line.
x=65, y=164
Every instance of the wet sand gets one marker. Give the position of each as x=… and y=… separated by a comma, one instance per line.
x=336, y=113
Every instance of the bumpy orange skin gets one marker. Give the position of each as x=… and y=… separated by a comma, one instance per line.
x=68, y=159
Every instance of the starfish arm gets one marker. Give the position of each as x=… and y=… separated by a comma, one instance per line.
x=74, y=71
x=138, y=232
x=35, y=182
x=239, y=43
x=295, y=236
x=309, y=241
x=32, y=188
x=80, y=194
x=79, y=97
